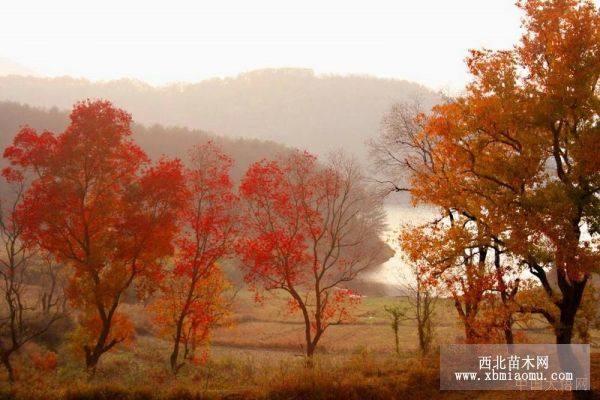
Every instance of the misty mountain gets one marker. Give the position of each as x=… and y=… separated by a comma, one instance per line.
x=155, y=140
x=295, y=107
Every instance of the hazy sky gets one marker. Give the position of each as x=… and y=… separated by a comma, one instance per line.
x=160, y=42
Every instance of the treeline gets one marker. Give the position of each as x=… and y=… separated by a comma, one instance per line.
x=88, y=210
x=155, y=140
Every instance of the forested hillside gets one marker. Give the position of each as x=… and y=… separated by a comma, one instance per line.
x=155, y=140
x=290, y=106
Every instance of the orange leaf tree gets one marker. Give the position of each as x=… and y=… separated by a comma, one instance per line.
x=308, y=229
x=517, y=154
x=99, y=206
x=454, y=255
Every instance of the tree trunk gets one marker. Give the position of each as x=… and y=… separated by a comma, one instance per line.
x=310, y=350
x=310, y=347
x=572, y=293
x=9, y=369
x=422, y=346
x=564, y=332
x=174, y=356
x=92, y=356
x=91, y=360
x=508, y=332
x=175, y=353
x=470, y=333
x=508, y=335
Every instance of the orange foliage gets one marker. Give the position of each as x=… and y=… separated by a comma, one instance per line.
x=516, y=156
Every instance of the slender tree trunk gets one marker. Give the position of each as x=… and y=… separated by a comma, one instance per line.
x=419, y=315
x=174, y=356
x=175, y=353
x=421, y=337
x=427, y=336
x=8, y=366
x=91, y=361
x=180, y=321
x=310, y=347
x=92, y=356
x=310, y=350
x=469, y=335
x=508, y=335
x=504, y=295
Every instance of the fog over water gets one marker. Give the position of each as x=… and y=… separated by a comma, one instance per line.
x=395, y=271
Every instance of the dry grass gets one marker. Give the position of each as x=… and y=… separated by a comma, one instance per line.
x=260, y=357
x=360, y=376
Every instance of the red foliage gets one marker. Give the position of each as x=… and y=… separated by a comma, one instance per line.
x=307, y=230
x=99, y=206
x=44, y=361
x=191, y=302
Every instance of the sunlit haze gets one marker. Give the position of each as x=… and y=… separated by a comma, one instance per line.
x=161, y=42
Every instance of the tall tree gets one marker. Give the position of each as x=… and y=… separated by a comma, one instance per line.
x=99, y=206
x=192, y=297
x=308, y=229
x=455, y=252
x=517, y=153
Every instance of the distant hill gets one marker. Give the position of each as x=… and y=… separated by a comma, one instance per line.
x=156, y=140
x=290, y=106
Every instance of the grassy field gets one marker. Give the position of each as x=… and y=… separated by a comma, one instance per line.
x=260, y=355
x=268, y=326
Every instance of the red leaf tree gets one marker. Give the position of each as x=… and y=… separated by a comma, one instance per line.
x=192, y=294
x=308, y=229
x=100, y=208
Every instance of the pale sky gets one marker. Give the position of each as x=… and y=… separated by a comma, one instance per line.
x=165, y=41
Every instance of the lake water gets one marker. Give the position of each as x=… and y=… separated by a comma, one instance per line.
x=395, y=271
